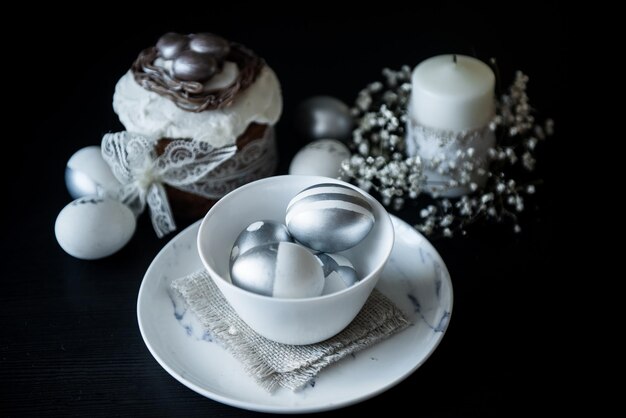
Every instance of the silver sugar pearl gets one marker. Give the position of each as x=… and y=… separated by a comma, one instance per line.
x=171, y=45
x=324, y=117
x=193, y=66
x=256, y=234
x=283, y=270
x=329, y=217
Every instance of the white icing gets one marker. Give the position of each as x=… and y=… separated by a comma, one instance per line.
x=166, y=64
x=224, y=78
x=149, y=114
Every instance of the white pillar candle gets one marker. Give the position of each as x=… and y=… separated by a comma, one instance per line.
x=452, y=103
x=453, y=93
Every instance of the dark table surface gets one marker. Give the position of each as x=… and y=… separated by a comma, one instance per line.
x=70, y=343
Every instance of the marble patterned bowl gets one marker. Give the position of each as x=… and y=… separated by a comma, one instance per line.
x=289, y=321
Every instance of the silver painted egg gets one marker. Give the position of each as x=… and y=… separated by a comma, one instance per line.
x=320, y=158
x=282, y=270
x=339, y=273
x=193, y=66
x=329, y=217
x=207, y=43
x=171, y=45
x=324, y=117
x=93, y=227
x=87, y=174
x=259, y=233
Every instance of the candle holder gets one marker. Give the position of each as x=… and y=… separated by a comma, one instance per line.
x=383, y=163
x=454, y=163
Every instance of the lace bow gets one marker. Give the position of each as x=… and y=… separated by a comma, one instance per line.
x=142, y=172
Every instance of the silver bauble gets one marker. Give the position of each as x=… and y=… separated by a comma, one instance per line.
x=256, y=234
x=324, y=117
x=329, y=217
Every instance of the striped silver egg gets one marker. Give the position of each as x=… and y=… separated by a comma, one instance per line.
x=329, y=217
x=339, y=273
x=283, y=270
x=256, y=234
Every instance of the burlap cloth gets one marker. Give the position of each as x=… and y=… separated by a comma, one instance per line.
x=275, y=365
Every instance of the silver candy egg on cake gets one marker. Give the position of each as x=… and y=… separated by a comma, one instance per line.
x=171, y=45
x=329, y=217
x=194, y=66
x=259, y=233
x=94, y=227
x=195, y=57
x=207, y=43
x=283, y=270
x=87, y=174
x=324, y=117
x=339, y=273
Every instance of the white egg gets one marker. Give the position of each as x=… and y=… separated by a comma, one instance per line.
x=320, y=158
x=87, y=174
x=339, y=273
x=283, y=270
x=94, y=227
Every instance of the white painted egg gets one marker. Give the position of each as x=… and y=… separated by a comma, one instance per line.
x=329, y=217
x=87, y=174
x=282, y=270
x=339, y=273
x=94, y=227
x=320, y=158
x=256, y=234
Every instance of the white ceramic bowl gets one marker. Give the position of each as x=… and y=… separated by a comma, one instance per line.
x=289, y=321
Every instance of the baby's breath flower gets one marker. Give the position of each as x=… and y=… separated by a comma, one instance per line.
x=380, y=163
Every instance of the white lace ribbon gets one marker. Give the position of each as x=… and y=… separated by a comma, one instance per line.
x=142, y=172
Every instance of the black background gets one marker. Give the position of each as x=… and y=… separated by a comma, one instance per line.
x=70, y=344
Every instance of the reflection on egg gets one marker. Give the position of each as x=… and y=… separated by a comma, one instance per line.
x=94, y=227
x=283, y=270
x=259, y=233
x=320, y=158
x=339, y=273
x=329, y=217
x=87, y=174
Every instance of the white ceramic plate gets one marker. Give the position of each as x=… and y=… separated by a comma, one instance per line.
x=415, y=278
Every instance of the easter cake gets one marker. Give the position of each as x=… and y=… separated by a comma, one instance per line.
x=203, y=88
